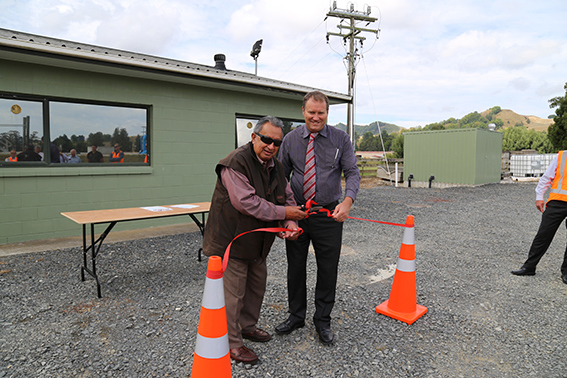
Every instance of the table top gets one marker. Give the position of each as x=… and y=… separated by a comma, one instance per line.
x=135, y=213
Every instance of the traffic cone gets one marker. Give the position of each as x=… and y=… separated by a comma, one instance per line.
x=402, y=302
x=212, y=357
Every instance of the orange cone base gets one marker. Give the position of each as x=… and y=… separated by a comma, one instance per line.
x=406, y=317
x=213, y=367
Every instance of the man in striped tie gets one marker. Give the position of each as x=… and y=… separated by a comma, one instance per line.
x=316, y=155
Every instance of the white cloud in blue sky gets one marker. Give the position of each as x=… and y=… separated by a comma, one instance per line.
x=434, y=59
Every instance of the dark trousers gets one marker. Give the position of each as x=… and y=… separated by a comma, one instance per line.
x=326, y=235
x=555, y=212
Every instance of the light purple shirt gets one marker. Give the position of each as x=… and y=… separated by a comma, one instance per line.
x=334, y=155
x=244, y=198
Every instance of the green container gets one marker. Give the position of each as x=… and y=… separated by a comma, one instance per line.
x=463, y=156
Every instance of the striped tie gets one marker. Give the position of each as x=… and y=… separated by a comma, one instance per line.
x=309, y=175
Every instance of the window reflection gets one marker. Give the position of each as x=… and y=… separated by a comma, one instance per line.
x=21, y=125
x=245, y=127
x=79, y=127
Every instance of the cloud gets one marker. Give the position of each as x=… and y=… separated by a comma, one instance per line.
x=434, y=59
x=520, y=83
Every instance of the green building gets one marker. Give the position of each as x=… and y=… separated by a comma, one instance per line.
x=75, y=95
x=453, y=157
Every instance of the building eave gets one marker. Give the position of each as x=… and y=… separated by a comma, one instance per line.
x=31, y=48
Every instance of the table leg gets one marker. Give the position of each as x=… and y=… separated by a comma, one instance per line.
x=95, y=249
x=201, y=226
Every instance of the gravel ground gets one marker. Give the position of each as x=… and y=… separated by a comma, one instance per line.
x=482, y=321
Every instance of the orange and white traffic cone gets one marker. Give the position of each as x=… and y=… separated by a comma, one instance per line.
x=212, y=357
x=402, y=304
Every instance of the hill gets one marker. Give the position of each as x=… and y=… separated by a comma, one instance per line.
x=374, y=127
x=508, y=117
x=511, y=118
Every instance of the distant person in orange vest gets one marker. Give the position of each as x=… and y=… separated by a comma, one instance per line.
x=29, y=154
x=12, y=158
x=554, y=212
x=95, y=156
x=117, y=156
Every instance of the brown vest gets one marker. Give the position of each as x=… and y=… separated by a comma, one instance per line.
x=225, y=222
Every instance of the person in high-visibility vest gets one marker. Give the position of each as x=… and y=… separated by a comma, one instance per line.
x=554, y=213
x=117, y=156
x=12, y=158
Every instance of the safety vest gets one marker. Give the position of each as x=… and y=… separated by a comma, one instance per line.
x=559, y=185
x=13, y=160
x=116, y=155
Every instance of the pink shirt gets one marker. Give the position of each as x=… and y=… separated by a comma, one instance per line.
x=244, y=199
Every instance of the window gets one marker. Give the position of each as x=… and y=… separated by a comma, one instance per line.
x=245, y=126
x=74, y=127
x=21, y=124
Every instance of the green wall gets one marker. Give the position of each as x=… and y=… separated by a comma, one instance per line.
x=463, y=156
x=191, y=129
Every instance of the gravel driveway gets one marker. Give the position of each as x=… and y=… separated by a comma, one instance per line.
x=482, y=321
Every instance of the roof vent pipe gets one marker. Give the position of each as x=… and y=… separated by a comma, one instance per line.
x=219, y=62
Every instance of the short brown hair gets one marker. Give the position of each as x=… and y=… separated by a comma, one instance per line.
x=316, y=96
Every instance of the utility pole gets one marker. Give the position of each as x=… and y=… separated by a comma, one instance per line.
x=349, y=31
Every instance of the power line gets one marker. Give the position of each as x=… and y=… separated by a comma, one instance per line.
x=291, y=53
x=352, y=33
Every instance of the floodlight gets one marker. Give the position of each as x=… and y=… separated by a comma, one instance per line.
x=256, y=49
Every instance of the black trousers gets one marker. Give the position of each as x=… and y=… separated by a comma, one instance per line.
x=555, y=212
x=326, y=235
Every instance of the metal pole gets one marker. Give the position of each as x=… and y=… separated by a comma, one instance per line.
x=396, y=177
x=351, y=74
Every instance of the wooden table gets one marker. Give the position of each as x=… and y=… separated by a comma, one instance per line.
x=113, y=216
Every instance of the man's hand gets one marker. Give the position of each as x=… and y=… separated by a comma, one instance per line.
x=540, y=204
x=289, y=235
x=294, y=213
x=340, y=214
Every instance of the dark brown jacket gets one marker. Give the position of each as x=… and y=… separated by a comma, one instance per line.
x=225, y=222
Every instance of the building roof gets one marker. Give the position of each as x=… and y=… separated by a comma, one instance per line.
x=31, y=48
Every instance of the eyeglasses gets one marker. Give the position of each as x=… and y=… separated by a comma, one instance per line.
x=268, y=140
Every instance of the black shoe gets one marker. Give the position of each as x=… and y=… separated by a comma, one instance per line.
x=325, y=334
x=524, y=272
x=289, y=326
x=564, y=278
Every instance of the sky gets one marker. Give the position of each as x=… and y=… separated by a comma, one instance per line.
x=432, y=60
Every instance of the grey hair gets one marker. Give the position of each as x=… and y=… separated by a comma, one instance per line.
x=268, y=119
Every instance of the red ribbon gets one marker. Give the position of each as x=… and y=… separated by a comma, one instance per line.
x=270, y=229
x=310, y=210
x=309, y=206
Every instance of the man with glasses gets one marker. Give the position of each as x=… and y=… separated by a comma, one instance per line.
x=251, y=192
x=317, y=154
x=116, y=156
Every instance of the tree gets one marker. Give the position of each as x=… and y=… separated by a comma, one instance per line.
x=120, y=136
x=557, y=131
x=520, y=138
x=63, y=142
x=398, y=145
x=12, y=140
x=96, y=139
x=138, y=143
x=499, y=123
